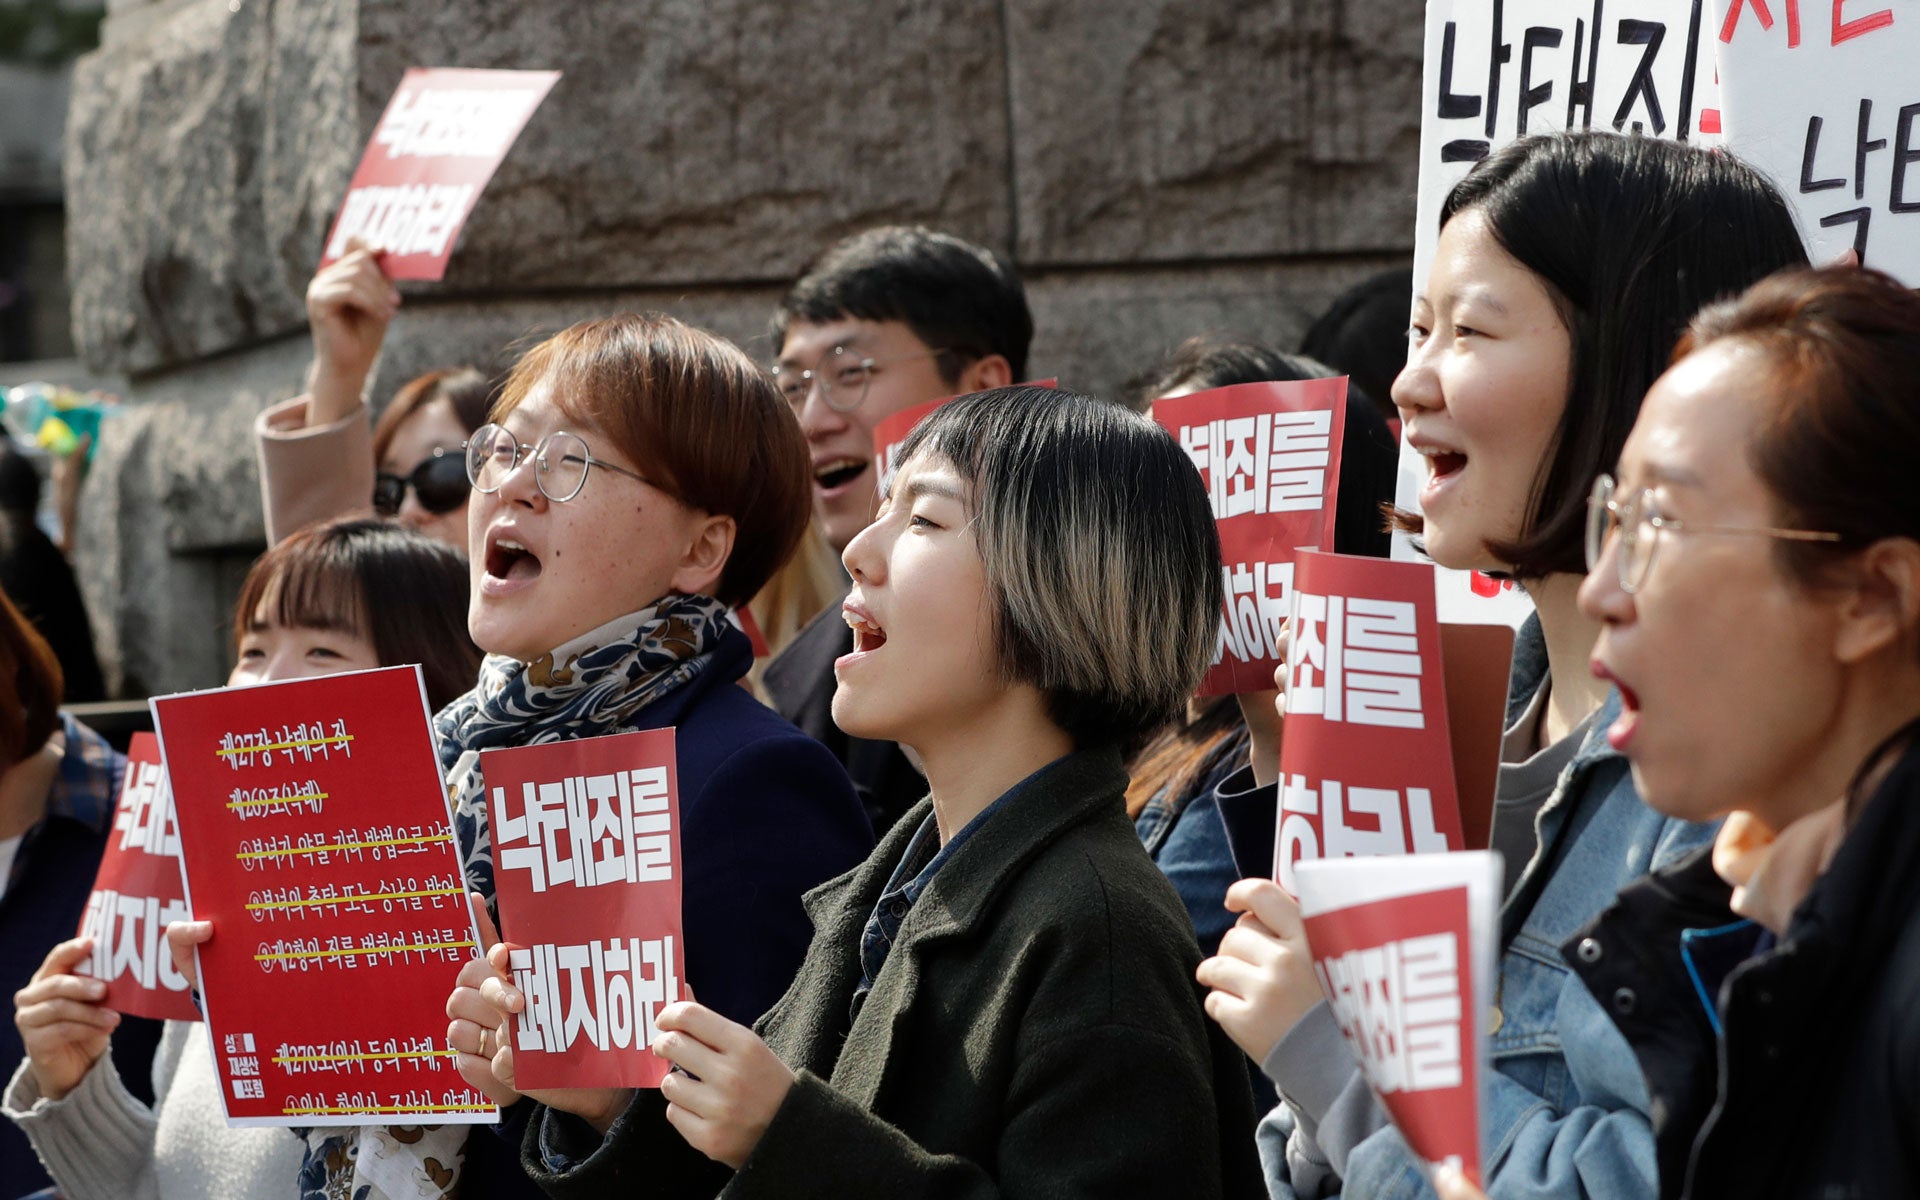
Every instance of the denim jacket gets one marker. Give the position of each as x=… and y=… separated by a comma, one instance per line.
x=1565, y=1108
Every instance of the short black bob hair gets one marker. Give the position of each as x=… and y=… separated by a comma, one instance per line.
x=955, y=296
x=1632, y=236
x=1101, y=558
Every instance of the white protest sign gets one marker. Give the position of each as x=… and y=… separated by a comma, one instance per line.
x=1826, y=99
x=1498, y=70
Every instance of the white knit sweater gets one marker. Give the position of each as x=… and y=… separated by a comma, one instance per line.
x=100, y=1143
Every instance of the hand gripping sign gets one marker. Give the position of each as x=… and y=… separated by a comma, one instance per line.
x=1405, y=949
x=438, y=143
x=1825, y=99
x=137, y=894
x=1366, y=766
x=314, y=829
x=1270, y=456
x=586, y=860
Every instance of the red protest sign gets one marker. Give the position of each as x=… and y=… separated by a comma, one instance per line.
x=315, y=833
x=1366, y=766
x=1270, y=456
x=436, y=146
x=889, y=434
x=586, y=853
x=1405, y=951
x=137, y=894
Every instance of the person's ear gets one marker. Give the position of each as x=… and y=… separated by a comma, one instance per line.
x=1881, y=606
x=709, y=546
x=993, y=371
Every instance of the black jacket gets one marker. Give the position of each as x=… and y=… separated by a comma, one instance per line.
x=800, y=683
x=1812, y=1085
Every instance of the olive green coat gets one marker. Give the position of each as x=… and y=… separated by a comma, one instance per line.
x=1036, y=1031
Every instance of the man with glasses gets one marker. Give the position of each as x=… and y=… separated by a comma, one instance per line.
x=882, y=321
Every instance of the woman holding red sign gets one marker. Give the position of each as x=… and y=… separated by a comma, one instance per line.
x=1756, y=569
x=343, y=596
x=999, y=1001
x=1566, y=269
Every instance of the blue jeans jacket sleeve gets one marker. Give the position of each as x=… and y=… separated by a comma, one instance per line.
x=1565, y=1107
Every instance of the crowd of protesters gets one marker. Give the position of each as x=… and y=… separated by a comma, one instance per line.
x=978, y=896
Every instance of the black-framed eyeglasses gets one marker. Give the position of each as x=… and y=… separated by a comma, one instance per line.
x=1639, y=522
x=560, y=462
x=439, y=482
x=843, y=376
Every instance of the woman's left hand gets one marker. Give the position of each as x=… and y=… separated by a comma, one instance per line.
x=728, y=1086
x=1262, y=979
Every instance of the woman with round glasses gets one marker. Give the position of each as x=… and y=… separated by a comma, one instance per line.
x=1756, y=572
x=317, y=460
x=1566, y=267
x=638, y=479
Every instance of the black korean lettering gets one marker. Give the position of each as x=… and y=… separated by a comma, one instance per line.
x=1809, y=151
x=1861, y=217
x=1580, y=87
x=1905, y=154
x=1533, y=96
x=1499, y=54
x=1453, y=105
x=1863, y=147
x=1649, y=34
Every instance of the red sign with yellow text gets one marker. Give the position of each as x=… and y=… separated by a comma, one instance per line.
x=436, y=146
x=1366, y=766
x=586, y=854
x=314, y=828
x=137, y=894
x=1269, y=454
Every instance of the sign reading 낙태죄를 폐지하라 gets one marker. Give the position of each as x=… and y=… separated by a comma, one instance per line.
x=586, y=867
x=1404, y=949
x=137, y=893
x=1269, y=455
x=439, y=141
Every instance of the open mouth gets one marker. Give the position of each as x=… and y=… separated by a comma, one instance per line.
x=838, y=472
x=867, y=636
x=509, y=560
x=1444, y=463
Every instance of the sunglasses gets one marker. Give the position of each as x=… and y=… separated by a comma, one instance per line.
x=439, y=483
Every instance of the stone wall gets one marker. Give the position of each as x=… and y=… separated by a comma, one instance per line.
x=1156, y=168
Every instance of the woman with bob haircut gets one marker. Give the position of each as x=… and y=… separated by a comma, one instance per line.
x=1756, y=570
x=1567, y=267
x=344, y=596
x=999, y=1001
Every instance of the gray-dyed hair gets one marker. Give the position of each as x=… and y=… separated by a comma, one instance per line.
x=1101, y=557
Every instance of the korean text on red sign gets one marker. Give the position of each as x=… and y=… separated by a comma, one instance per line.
x=314, y=828
x=586, y=848
x=1404, y=952
x=1366, y=766
x=436, y=146
x=137, y=894
x=1269, y=454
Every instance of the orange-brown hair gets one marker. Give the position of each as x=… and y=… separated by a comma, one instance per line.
x=694, y=415
x=466, y=389
x=1843, y=351
x=30, y=687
